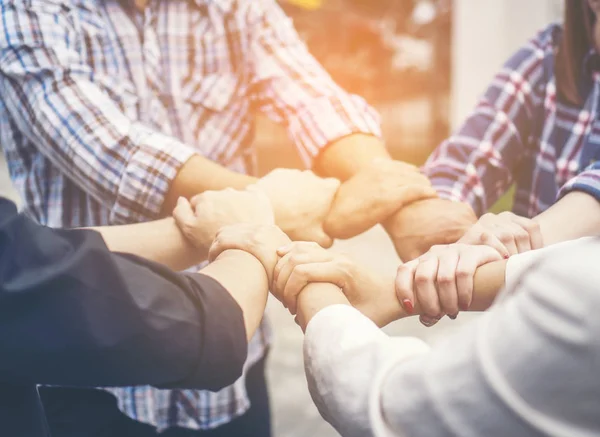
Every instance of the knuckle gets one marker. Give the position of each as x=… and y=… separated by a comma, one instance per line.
x=445, y=279
x=505, y=236
x=462, y=273
x=422, y=278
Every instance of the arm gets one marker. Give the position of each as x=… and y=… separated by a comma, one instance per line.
x=184, y=240
x=246, y=280
x=476, y=164
x=379, y=297
x=575, y=215
x=76, y=314
x=365, y=383
x=67, y=112
x=291, y=87
x=160, y=241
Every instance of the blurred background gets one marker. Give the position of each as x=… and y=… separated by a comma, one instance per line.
x=422, y=64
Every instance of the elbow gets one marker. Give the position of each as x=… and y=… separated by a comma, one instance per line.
x=227, y=368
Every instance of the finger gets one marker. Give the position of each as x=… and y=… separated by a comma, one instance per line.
x=506, y=235
x=425, y=277
x=532, y=228
x=322, y=239
x=404, y=284
x=289, y=262
x=428, y=321
x=446, y=282
x=468, y=263
x=489, y=239
x=520, y=236
x=412, y=193
x=298, y=246
x=219, y=246
x=305, y=274
x=183, y=212
x=195, y=200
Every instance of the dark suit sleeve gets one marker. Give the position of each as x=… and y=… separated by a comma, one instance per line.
x=74, y=314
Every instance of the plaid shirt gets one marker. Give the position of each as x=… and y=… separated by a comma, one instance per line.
x=101, y=104
x=520, y=133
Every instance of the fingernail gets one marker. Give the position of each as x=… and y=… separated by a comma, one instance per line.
x=408, y=306
x=180, y=199
x=452, y=317
x=506, y=256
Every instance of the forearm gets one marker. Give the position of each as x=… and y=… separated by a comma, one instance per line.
x=200, y=174
x=383, y=306
x=314, y=298
x=246, y=280
x=347, y=156
x=160, y=241
x=574, y=216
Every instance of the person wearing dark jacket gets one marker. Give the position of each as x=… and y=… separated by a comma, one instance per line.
x=73, y=313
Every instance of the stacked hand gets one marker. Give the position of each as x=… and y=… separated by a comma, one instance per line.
x=261, y=241
x=506, y=232
x=301, y=201
x=421, y=225
x=201, y=218
x=440, y=282
x=373, y=195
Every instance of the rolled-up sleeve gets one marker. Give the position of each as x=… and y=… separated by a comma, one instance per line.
x=291, y=87
x=75, y=314
x=54, y=98
x=344, y=352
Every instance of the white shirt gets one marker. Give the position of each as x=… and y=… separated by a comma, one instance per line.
x=527, y=367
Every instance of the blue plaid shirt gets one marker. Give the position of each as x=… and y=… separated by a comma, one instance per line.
x=520, y=133
x=101, y=104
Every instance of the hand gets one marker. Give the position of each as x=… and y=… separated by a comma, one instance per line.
x=420, y=225
x=206, y=213
x=261, y=241
x=373, y=195
x=441, y=281
x=301, y=201
x=506, y=232
x=302, y=263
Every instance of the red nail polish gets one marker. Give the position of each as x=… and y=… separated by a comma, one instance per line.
x=506, y=256
x=408, y=306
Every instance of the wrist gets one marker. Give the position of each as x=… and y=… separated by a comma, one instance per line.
x=315, y=297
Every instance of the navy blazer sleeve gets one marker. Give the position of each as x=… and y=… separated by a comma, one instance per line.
x=74, y=314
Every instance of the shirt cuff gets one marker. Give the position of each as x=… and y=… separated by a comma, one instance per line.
x=224, y=344
x=327, y=119
x=148, y=177
x=587, y=181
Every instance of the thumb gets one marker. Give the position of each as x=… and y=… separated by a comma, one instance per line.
x=321, y=238
x=183, y=212
x=413, y=193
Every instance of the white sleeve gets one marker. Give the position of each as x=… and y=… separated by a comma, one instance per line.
x=344, y=353
x=519, y=264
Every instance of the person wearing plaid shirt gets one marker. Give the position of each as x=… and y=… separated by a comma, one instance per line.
x=537, y=127
x=111, y=110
